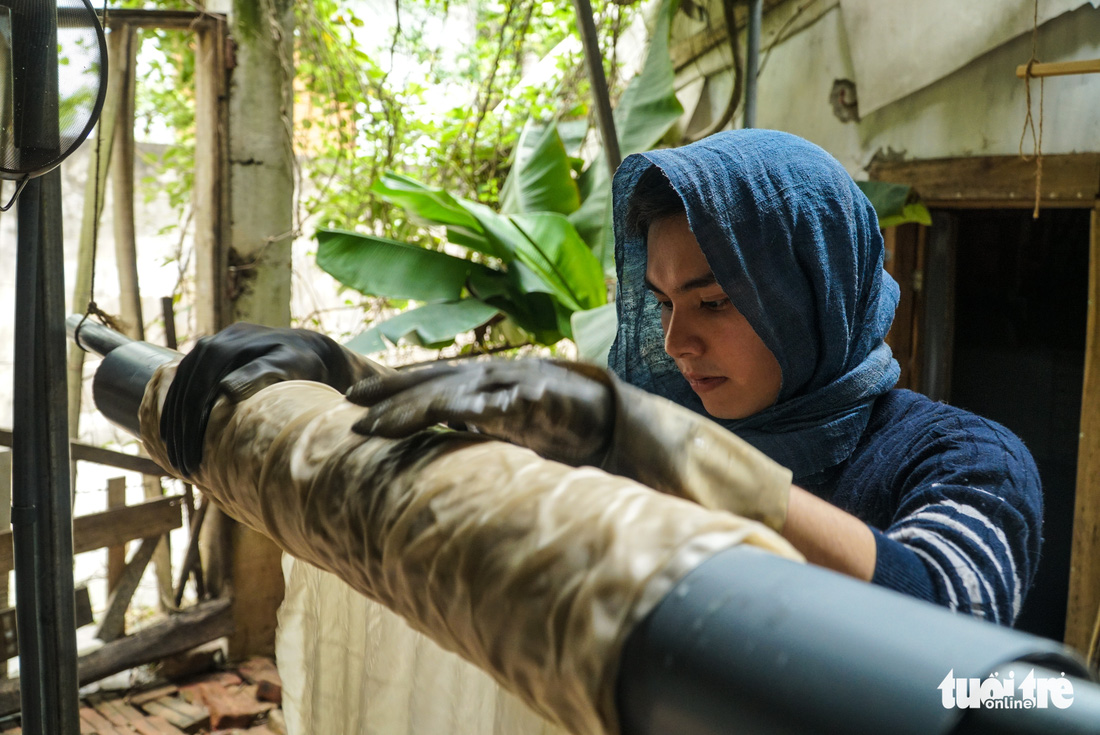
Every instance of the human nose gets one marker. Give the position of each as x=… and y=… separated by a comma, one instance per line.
x=682, y=338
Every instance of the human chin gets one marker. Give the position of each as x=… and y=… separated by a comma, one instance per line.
x=725, y=402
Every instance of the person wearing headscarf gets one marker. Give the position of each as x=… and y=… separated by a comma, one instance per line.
x=749, y=374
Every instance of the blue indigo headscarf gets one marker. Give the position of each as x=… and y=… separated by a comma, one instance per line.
x=796, y=246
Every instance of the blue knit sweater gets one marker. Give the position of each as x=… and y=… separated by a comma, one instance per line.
x=954, y=502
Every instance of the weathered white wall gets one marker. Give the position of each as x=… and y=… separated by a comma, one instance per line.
x=977, y=110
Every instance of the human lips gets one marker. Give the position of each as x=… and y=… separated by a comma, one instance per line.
x=703, y=383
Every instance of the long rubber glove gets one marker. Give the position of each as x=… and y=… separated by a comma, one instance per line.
x=583, y=415
x=238, y=362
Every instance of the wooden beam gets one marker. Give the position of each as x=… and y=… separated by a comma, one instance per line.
x=691, y=48
x=1069, y=180
x=1083, y=605
x=178, y=20
x=100, y=530
x=116, y=555
x=209, y=193
x=113, y=624
x=200, y=624
x=1059, y=68
x=110, y=458
x=9, y=638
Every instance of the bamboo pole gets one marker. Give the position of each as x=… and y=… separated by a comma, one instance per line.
x=122, y=186
x=96, y=181
x=1059, y=68
x=129, y=309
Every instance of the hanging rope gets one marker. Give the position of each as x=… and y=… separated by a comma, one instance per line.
x=92, y=309
x=1029, y=121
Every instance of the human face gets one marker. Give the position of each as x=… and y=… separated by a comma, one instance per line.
x=721, y=356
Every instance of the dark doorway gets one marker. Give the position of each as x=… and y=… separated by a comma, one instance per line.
x=1021, y=289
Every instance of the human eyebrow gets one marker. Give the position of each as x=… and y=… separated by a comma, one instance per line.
x=689, y=285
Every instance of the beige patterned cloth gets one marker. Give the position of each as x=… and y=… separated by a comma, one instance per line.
x=531, y=570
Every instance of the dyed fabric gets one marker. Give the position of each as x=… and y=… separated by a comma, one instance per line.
x=796, y=246
x=954, y=501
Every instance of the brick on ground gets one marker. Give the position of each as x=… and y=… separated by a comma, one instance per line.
x=231, y=706
x=265, y=675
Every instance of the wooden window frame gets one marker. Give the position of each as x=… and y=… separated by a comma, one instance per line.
x=1068, y=181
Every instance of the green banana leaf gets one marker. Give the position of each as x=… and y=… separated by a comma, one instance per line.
x=549, y=246
x=432, y=325
x=541, y=178
x=432, y=207
x=894, y=204
x=380, y=267
x=646, y=112
x=594, y=331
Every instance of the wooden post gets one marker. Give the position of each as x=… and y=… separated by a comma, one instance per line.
x=260, y=159
x=122, y=185
x=1083, y=606
x=116, y=555
x=209, y=192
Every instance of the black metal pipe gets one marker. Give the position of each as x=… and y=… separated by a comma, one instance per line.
x=752, y=60
x=751, y=642
x=41, y=494
x=126, y=369
x=586, y=24
x=41, y=497
x=28, y=449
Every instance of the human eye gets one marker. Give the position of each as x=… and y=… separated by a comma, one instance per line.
x=716, y=305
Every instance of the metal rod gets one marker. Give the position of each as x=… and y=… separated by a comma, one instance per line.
x=57, y=577
x=752, y=60
x=41, y=497
x=586, y=24
x=27, y=461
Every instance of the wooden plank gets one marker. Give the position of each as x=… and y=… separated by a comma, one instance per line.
x=157, y=725
x=172, y=20
x=1071, y=180
x=116, y=555
x=140, y=698
x=901, y=263
x=187, y=717
x=114, y=620
x=1083, y=605
x=112, y=712
x=200, y=624
x=99, y=530
x=9, y=639
x=99, y=724
x=1059, y=68
x=118, y=460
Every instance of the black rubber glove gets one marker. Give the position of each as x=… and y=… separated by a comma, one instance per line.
x=582, y=415
x=562, y=411
x=238, y=362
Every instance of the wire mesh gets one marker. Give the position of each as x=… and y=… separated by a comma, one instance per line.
x=38, y=129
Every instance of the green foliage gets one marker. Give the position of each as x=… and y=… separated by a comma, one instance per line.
x=535, y=240
x=540, y=271
x=895, y=204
